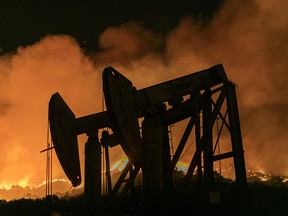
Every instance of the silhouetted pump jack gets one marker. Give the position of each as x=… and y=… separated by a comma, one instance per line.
x=200, y=98
x=64, y=129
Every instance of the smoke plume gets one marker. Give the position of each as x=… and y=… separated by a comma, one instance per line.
x=28, y=80
x=249, y=38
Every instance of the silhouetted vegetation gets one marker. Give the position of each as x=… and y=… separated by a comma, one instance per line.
x=45, y=206
x=266, y=198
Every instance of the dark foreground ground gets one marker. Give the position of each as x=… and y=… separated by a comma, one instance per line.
x=264, y=199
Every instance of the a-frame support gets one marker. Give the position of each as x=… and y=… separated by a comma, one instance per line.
x=210, y=105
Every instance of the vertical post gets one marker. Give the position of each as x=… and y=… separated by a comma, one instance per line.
x=167, y=173
x=152, y=166
x=48, y=168
x=208, y=142
x=48, y=171
x=198, y=142
x=237, y=147
x=236, y=137
x=92, y=188
x=49, y=182
x=108, y=174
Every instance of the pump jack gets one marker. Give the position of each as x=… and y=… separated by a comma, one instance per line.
x=189, y=97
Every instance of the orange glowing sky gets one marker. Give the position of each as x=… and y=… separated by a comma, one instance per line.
x=250, y=39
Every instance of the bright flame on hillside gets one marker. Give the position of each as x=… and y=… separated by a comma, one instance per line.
x=54, y=180
x=23, y=184
x=120, y=165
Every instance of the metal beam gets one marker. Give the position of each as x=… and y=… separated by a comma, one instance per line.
x=179, y=87
x=223, y=156
x=182, y=143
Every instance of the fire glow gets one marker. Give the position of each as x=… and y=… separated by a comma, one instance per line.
x=120, y=165
x=57, y=63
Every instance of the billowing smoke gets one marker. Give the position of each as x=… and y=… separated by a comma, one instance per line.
x=28, y=80
x=248, y=37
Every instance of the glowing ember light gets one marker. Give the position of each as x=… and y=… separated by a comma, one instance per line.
x=120, y=165
x=261, y=174
x=182, y=167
